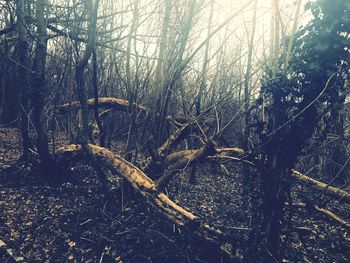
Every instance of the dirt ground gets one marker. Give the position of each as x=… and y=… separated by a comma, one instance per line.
x=72, y=222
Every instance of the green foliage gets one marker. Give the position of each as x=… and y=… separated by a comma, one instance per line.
x=292, y=103
x=314, y=82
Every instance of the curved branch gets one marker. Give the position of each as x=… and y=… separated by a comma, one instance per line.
x=145, y=187
x=141, y=183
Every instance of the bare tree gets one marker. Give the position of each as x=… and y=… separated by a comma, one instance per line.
x=23, y=70
x=39, y=86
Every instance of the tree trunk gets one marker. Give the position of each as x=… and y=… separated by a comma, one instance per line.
x=80, y=68
x=102, y=136
x=146, y=188
x=39, y=87
x=22, y=72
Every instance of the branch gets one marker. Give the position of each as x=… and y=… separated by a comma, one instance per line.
x=182, y=163
x=325, y=212
x=7, y=30
x=104, y=102
x=147, y=189
x=333, y=191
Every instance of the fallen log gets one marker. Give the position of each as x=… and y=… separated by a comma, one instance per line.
x=110, y=104
x=145, y=187
x=139, y=181
x=333, y=191
x=105, y=102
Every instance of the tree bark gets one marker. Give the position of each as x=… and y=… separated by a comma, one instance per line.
x=39, y=87
x=22, y=72
x=102, y=135
x=80, y=68
x=146, y=188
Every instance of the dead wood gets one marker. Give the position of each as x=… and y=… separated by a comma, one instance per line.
x=139, y=181
x=105, y=102
x=220, y=153
x=333, y=216
x=325, y=212
x=147, y=188
x=181, y=163
x=174, y=139
x=333, y=191
x=7, y=255
x=224, y=153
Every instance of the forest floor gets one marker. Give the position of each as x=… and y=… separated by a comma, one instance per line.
x=72, y=222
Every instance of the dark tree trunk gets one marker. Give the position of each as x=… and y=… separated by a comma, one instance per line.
x=79, y=72
x=39, y=91
x=22, y=74
x=102, y=135
x=84, y=129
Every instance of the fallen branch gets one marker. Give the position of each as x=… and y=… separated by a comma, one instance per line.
x=175, y=139
x=180, y=134
x=220, y=153
x=333, y=216
x=105, y=102
x=325, y=212
x=223, y=154
x=144, y=186
x=182, y=163
x=333, y=191
x=6, y=254
x=139, y=181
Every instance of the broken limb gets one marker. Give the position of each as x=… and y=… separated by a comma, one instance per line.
x=325, y=212
x=182, y=163
x=220, y=153
x=223, y=154
x=180, y=134
x=145, y=187
x=139, y=181
x=105, y=102
x=333, y=191
x=174, y=139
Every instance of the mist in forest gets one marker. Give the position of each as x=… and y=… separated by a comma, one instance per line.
x=174, y=131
